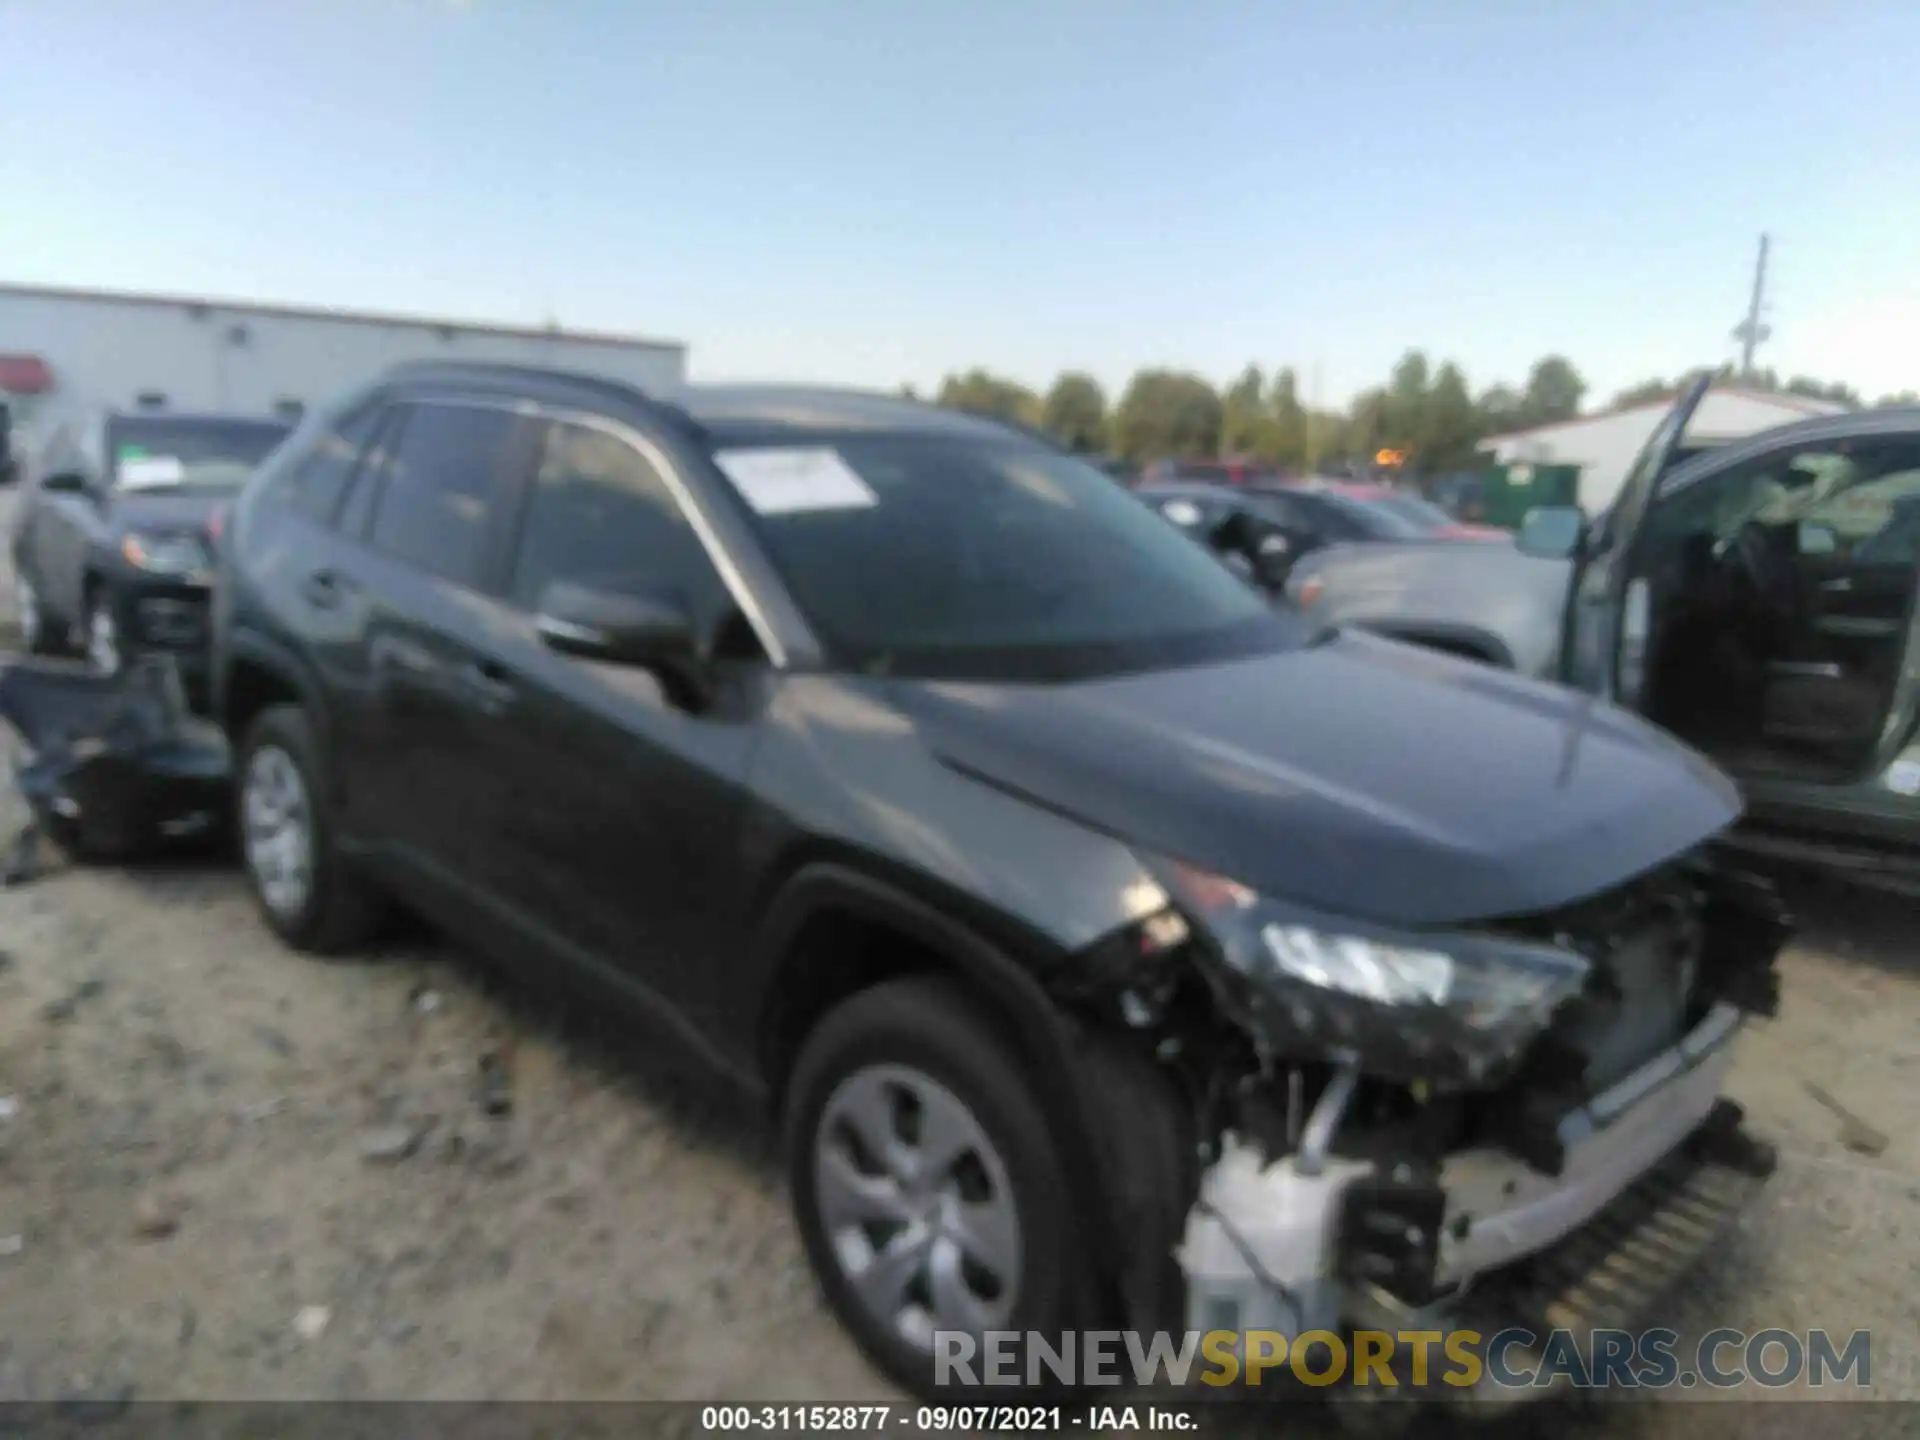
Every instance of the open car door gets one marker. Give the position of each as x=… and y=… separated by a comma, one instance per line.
x=1840, y=686
x=1605, y=649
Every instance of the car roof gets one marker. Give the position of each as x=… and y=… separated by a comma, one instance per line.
x=825, y=408
x=734, y=412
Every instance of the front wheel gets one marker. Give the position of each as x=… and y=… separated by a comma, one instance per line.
x=306, y=891
x=927, y=1184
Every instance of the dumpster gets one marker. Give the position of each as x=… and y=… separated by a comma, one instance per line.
x=1507, y=492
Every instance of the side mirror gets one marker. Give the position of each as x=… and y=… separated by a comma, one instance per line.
x=654, y=632
x=1553, y=532
x=66, y=482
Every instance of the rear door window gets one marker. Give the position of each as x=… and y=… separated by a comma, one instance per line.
x=324, y=475
x=443, y=486
x=356, y=515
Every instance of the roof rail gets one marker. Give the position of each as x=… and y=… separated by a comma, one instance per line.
x=509, y=370
x=609, y=388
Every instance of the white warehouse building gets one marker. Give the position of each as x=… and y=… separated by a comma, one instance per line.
x=1604, y=445
x=63, y=348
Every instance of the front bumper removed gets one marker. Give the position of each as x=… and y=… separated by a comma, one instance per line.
x=1612, y=1274
x=1652, y=1172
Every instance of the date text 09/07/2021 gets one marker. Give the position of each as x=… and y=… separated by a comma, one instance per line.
x=946, y=1419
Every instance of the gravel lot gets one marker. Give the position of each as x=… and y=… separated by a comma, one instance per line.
x=234, y=1172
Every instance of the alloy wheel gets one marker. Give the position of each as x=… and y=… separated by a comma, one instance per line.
x=276, y=819
x=916, y=1205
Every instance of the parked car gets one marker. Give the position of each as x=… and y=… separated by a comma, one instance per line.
x=1074, y=917
x=1261, y=531
x=1755, y=599
x=1428, y=518
x=1207, y=472
x=111, y=553
x=1461, y=495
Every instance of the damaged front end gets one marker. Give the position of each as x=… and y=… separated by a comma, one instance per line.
x=1516, y=1123
x=116, y=768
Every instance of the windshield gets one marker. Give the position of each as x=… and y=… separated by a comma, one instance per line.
x=937, y=555
x=153, y=453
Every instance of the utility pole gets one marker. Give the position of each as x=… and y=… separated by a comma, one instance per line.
x=1751, y=331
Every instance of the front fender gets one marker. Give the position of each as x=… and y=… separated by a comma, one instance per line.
x=251, y=646
x=1064, y=1080
x=823, y=886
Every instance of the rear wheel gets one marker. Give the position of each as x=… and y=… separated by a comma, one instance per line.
x=926, y=1181
x=307, y=893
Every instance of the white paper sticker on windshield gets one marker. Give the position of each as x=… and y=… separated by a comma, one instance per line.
x=787, y=482
x=150, y=471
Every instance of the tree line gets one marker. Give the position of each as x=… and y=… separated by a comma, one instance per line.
x=1430, y=414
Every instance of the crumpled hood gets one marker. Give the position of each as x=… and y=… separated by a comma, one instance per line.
x=1357, y=776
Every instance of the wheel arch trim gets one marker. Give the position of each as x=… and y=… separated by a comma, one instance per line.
x=251, y=647
x=1046, y=1036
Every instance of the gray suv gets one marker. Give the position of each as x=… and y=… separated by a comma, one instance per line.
x=1109, y=953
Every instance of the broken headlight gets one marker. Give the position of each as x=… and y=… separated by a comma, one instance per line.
x=1441, y=1007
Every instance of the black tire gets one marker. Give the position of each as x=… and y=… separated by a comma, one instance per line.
x=342, y=909
x=935, y=1026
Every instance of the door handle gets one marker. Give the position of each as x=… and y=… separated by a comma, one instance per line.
x=492, y=688
x=1837, y=587
x=321, y=589
x=388, y=653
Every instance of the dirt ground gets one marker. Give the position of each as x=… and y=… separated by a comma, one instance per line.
x=228, y=1171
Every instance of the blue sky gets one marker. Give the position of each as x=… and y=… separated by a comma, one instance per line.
x=877, y=191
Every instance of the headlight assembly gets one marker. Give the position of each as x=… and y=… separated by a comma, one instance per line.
x=1371, y=969
x=166, y=554
x=1418, y=1005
